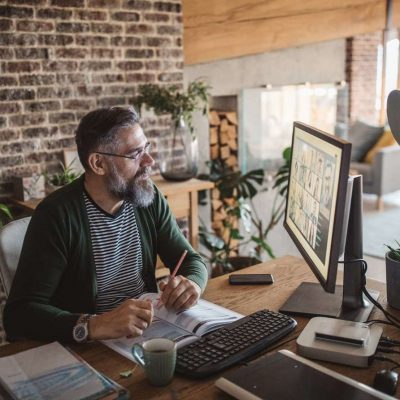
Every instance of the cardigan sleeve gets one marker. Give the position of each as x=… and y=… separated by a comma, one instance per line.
x=30, y=310
x=171, y=243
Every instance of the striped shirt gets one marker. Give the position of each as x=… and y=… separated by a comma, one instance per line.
x=117, y=254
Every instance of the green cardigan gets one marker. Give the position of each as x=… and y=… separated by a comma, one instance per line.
x=55, y=280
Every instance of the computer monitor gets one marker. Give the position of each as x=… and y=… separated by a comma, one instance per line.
x=324, y=219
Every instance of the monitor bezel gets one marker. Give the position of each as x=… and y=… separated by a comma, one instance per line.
x=330, y=282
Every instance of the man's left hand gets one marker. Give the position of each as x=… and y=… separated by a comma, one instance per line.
x=179, y=293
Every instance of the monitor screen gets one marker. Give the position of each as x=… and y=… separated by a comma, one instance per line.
x=316, y=197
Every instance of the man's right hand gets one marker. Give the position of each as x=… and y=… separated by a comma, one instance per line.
x=128, y=319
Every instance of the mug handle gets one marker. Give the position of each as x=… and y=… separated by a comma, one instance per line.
x=137, y=353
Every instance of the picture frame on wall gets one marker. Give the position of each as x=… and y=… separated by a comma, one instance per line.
x=29, y=187
x=71, y=159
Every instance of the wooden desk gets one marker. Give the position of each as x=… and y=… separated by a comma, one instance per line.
x=288, y=273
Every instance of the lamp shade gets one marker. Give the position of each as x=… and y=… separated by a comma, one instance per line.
x=393, y=113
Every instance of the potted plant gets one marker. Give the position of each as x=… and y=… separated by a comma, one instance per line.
x=63, y=177
x=237, y=193
x=393, y=275
x=5, y=214
x=180, y=105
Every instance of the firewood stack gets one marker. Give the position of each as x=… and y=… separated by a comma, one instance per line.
x=223, y=146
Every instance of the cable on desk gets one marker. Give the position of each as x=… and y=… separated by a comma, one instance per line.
x=383, y=358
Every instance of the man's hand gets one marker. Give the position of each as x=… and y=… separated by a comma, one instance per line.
x=128, y=319
x=179, y=293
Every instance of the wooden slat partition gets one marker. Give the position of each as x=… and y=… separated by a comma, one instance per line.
x=215, y=30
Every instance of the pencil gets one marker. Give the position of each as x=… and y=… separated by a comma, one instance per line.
x=174, y=272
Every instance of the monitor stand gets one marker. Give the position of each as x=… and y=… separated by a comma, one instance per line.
x=311, y=300
x=348, y=302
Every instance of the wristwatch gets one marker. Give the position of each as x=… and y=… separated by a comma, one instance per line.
x=80, y=332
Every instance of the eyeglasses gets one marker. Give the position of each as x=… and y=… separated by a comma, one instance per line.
x=138, y=154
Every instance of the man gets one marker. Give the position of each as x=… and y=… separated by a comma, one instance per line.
x=91, y=247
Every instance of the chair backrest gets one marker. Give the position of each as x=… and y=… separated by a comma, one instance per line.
x=11, y=239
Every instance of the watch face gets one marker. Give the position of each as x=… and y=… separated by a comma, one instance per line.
x=80, y=332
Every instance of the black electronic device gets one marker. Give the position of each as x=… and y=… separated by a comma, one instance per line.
x=324, y=219
x=386, y=381
x=251, y=279
x=232, y=343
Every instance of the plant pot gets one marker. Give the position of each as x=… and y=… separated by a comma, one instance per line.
x=180, y=161
x=238, y=262
x=392, y=281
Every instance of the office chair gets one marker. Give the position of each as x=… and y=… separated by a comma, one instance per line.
x=11, y=240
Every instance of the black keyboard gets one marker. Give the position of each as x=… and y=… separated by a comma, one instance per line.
x=233, y=343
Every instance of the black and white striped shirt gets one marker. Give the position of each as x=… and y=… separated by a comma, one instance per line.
x=117, y=254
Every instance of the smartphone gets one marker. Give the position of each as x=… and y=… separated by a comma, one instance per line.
x=251, y=279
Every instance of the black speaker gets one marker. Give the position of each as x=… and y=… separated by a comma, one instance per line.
x=393, y=113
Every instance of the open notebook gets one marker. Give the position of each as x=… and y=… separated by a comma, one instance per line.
x=182, y=327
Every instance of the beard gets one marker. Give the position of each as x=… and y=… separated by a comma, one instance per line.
x=137, y=190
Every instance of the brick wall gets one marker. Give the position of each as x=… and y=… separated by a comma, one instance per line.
x=61, y=58
x=361, y=69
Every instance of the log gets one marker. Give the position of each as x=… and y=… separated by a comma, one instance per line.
x=232, y=117
x=223, y=138
x=214, y=152
x=216, y=204
x=213, y=118
x=213, y=136
x=223, y=127
x=215, y=194
x=232, y=144
x=217, y=225
x=231, y=161
x=225, y=152
x=232, y=132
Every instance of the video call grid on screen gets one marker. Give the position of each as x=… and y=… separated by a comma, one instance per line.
x=313, y=181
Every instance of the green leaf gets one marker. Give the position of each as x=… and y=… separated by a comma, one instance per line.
x=264, y=245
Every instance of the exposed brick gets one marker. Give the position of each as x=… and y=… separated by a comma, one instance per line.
x=2, y=122
x=67, y=3
x=54, y=92
x=9, y=134
x=9, y=108
x=125, y=16
x=156, y=17
x=152, y=65
x=27, y=119
x=158, y=41
x=66, y=79
x=71, y=53
x=35, y=26
x=89, y=90
x=38, y=132
x=110, y=4
x=59, y=66
x=169, y=53
x=42, y=156
x=130, y=65
x=69, y=130
x=107, y=78
x=56, y=40
x=24, y=39
x=75, y=104
x=111, y=101
x=92, y=40
x=139, y=53
x=91, y=15
x=139, y=28
x=94, y=65
x=29, y=2
x=105, y=53
x=170, y=76
x=6, y=53
x=178, y=42
x=141, y=77
x=136, y=4
x=169, y=30
x=167, y=7
x=38, y=80
x=18, y=147
x=16, y=94
x=42, y=106
x=31, y=53
x=8, y=81
x=72, y=27
x=54, y=13
x=106, y=28
x=11, y=161
x=126, y=41
x=61, y=117
x=120, y=90
x=16, y=12
x=22, y=66
x=59, y=143
x=6, y=25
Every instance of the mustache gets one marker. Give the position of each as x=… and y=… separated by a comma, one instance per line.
x=143, y=171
